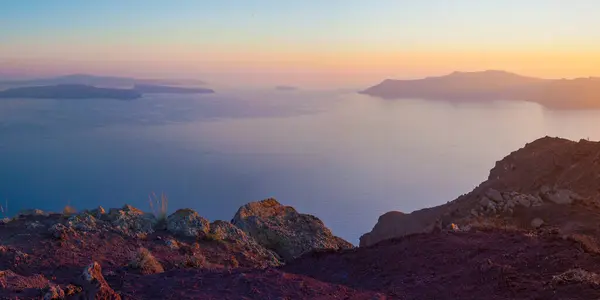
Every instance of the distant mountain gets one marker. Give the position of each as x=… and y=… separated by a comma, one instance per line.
x=156, y=89
x=458, y=86
x=494, y=85
x=286, y=88
x=580, y=93
x=93, y=80
x=70, y=91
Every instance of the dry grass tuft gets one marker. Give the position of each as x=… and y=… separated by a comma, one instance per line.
x=69, y=210
x=232, y=262
x=4, y=209
x=144, y=261
x=159, y=205
x=194, y=261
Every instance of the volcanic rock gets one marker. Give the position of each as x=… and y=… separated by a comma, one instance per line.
x=132, y=221
x=187, y=222
x=531, y=181
x=226, y=231
x=284, y=230
x=94, y=286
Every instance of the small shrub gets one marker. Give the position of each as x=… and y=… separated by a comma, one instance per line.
x=233, y=262
x=194, y=261
x=72, y=290
x=4, y=210
x=212, y=237
x=159, y=206
x=69, y=210
x=144, y=261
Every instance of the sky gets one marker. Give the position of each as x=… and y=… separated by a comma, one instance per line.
x=309, y=42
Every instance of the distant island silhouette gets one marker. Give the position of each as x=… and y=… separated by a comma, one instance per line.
x=492, y=85
x=286, y=88
x=99, y=81
x=70, y=91
x=163, y=89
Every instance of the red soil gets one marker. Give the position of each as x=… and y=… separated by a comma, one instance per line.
x=490, y=264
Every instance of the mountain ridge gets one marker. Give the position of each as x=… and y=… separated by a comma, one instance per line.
x=98, y=80
x=492, y=85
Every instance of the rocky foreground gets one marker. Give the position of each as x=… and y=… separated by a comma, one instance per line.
x=529, y=232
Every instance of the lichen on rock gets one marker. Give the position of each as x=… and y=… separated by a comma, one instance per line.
x=222, y=230
x=132, y=221
x=83, y=222
x=284, y=230
x=187, y=222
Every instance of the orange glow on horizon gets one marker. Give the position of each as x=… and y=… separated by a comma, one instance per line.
x=360, y=66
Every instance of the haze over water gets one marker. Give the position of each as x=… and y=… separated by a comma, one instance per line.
x=344, y=157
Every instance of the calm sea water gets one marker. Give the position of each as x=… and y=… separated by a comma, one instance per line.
x=344, y=157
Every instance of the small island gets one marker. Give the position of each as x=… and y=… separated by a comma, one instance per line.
x=70, y=91
x=163, y=89
x=286, y=88
x=491, y=85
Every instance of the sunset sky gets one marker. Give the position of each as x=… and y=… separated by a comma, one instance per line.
x=337, y=42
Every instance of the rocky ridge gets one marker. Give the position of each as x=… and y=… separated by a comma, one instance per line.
x=550, y=181
x=43, y=254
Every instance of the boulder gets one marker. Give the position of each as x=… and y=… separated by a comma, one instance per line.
x=32, y=212
x=487, y=204
x=284, y=230
x=98, y=213
x=494, y=195
x=221, y=230
x=187, y=222
x=524, y=200
x=94, y=286
x=132, y=221
x=560, y=196
x=83, y=222
x=61, y=231
x=537, y=223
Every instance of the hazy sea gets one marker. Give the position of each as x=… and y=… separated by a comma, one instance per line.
x=344, y=157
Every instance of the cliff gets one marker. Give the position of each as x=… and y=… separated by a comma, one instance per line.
x=551, y=179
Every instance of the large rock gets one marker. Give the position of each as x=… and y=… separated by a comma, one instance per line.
x=83, y=222
x=61, y=231
x=187, y=222
x=94, y=286
x=31, y=212
x=558, y=196
x=132, y=221
x=284, y=230
x=225, y=231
